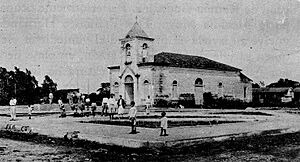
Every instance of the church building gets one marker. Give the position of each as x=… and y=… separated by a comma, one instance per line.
x=166, y=75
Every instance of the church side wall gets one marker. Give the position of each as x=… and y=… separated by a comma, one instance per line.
x=232, y=86
x=146, y=83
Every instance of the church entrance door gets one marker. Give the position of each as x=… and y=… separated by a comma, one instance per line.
x=129, y=89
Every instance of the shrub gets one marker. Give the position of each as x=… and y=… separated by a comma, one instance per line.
x=187, y=100
x=223, y=103
x=161, y=103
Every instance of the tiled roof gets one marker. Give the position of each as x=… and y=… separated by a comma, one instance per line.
x=136, y=31
x=189, y=61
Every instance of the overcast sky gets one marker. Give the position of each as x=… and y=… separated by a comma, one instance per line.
x=74, y=41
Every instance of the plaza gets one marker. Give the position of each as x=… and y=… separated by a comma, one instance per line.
x=187, y=127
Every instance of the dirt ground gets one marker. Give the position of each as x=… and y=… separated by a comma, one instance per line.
x=259, y=148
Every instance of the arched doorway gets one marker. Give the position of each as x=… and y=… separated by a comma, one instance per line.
x=199, y=91
x=146, y=89
x=129, y=89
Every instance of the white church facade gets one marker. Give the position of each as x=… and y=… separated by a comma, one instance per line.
x=166, y=75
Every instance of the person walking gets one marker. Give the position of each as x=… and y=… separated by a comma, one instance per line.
x=132, y=117
x=13, y=103
x=121, y=105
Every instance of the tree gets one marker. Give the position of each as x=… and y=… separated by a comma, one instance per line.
x=25, y=86
x=284, y=83
x=17, y=83
x=48, y=86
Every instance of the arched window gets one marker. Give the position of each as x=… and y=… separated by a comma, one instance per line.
x=220, y=90
x=116, y=89
x=198, y=82
x=174, y=89
x=127, y=49
x=128, y=79
x=145, y=52
x=174, y=83
x=145, y=46
x=220, y=84
x=146, y=82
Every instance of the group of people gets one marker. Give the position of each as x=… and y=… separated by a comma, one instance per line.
x=111, y=107
x=81, y=105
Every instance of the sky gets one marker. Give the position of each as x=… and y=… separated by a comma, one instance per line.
x=73, y=41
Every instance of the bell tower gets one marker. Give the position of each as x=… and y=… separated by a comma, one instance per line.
x=136, y=48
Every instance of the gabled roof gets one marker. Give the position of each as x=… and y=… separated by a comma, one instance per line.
x=136, y=31
x=189, y=61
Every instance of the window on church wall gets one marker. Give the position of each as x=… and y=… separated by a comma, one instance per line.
x=174, y=89
x=128, y=53
x=245, y=92
x=199, y=82
x=127, y=49
x=144, y=52
x=220, y=90
x=146, y=89
x=116, y=89
x=128, y=79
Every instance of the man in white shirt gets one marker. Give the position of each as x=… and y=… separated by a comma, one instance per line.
x=13, y=103
x=104, y=106
x=111, y=106
x=132, y=117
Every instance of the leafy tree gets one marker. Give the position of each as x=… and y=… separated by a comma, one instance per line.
x=17, y=83
x=284, y=83
x=48, y=86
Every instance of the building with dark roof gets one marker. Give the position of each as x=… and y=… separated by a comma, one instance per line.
x=167, y=76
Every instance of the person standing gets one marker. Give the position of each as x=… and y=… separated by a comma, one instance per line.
x=13, y=103
x=104, y=106
x=87, y=105
x=148, y=104
x=163, y=124
x=132, y=117
x=62, y=108
x=93, y=108
x=111, y=106
x=121, y=105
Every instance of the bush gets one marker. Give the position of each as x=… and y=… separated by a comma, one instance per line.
x=162, y=103
x=223, y=103
x=187, y=100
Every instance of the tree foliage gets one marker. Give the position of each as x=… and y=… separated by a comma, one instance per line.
x=22, y=85
x=284, y=83
x=48, y=86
